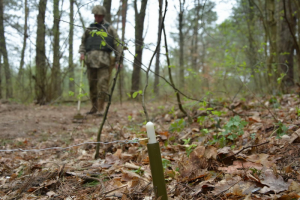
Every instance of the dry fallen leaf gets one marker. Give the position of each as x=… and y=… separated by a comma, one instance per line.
x=239, y=167
x=273, y=183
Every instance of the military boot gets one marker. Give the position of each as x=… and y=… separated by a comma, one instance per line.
x=100, y=110
x=94, y=107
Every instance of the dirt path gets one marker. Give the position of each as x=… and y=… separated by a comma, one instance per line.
x=31, y=120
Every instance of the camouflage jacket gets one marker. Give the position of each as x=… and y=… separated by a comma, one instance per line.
x=98, y=58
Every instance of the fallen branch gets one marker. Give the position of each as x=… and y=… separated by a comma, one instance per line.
x=244, y=148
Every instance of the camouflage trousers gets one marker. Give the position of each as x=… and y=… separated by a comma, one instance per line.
x=98, y=82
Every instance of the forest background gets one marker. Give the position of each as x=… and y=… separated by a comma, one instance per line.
x=236, y=135
x=255, y=49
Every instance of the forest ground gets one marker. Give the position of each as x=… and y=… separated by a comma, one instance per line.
x=260, y=163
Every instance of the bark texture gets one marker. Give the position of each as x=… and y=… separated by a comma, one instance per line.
x=71, y=34
x=139, y=42
x=41, y=67
x=3, y=51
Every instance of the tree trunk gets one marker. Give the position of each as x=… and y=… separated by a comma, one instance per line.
x=286, y=46
x=139, y=42
x=20, y=75
x=40, y=60
x=156, y=78
x=71, y=33
x=251, y=52
x=181, y=43
x=0, y=76
x=194, y=49
x=272, y=36
x=121, y=82
x=55, y=72
x=107, y=5
x=3, y=52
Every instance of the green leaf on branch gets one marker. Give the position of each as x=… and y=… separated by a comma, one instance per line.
x=103, y=43
x=136, y=93
x=71, y=93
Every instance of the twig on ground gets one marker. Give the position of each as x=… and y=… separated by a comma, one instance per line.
x=244, y=148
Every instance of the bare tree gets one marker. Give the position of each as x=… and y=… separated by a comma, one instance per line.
x=287, y=44
x=139, y=41
x=41, y=68
x=55, y=72
x=194, y=41
x=3, y=51
x=156, y=78
x=181, y=43
x=71, y=34
x=20, y=75
x=121, y=82
x=107, y=5
x=0, y=77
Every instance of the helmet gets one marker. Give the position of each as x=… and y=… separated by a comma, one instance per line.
x=98, y=10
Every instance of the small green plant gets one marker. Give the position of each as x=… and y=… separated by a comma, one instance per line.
x=190, y=149
x=21, y=172
x=274, y=102
x=139, y=171
x=166, y=163
x=253, y=136
x=204, y=132
x=186, y=141
x=91, y=184
x=129, y=118
x=177, y=126
x=255, y=171
x=282, y=130
x=211, y=114
x=298, y=111
x=233, y=129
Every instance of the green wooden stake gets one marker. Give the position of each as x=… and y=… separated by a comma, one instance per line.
x=159, y=184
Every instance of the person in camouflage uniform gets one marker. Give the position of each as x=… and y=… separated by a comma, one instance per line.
x=95, y=49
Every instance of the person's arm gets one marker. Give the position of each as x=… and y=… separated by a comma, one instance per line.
x=117, y=45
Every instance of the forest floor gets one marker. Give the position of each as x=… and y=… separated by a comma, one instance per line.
x=217, y=156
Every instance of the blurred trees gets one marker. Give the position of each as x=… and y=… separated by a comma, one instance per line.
x=256, y=48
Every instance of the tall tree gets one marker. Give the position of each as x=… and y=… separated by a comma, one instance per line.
x=25, y=36
x=248, y=8
x=3, y=51
x=156, y=78
x=139, y=42
x=121, y=75
x=40, y=60
x=55, y=72
x=107, y=5
x=194, y=41
x=0, y=76
x=181, y=42
x=286, y=43
x=71, y=34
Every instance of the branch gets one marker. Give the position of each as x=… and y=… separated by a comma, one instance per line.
x=244, y=148
x=171, y=79
x=290, y=28
x=106, y=109
x=147, y=72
